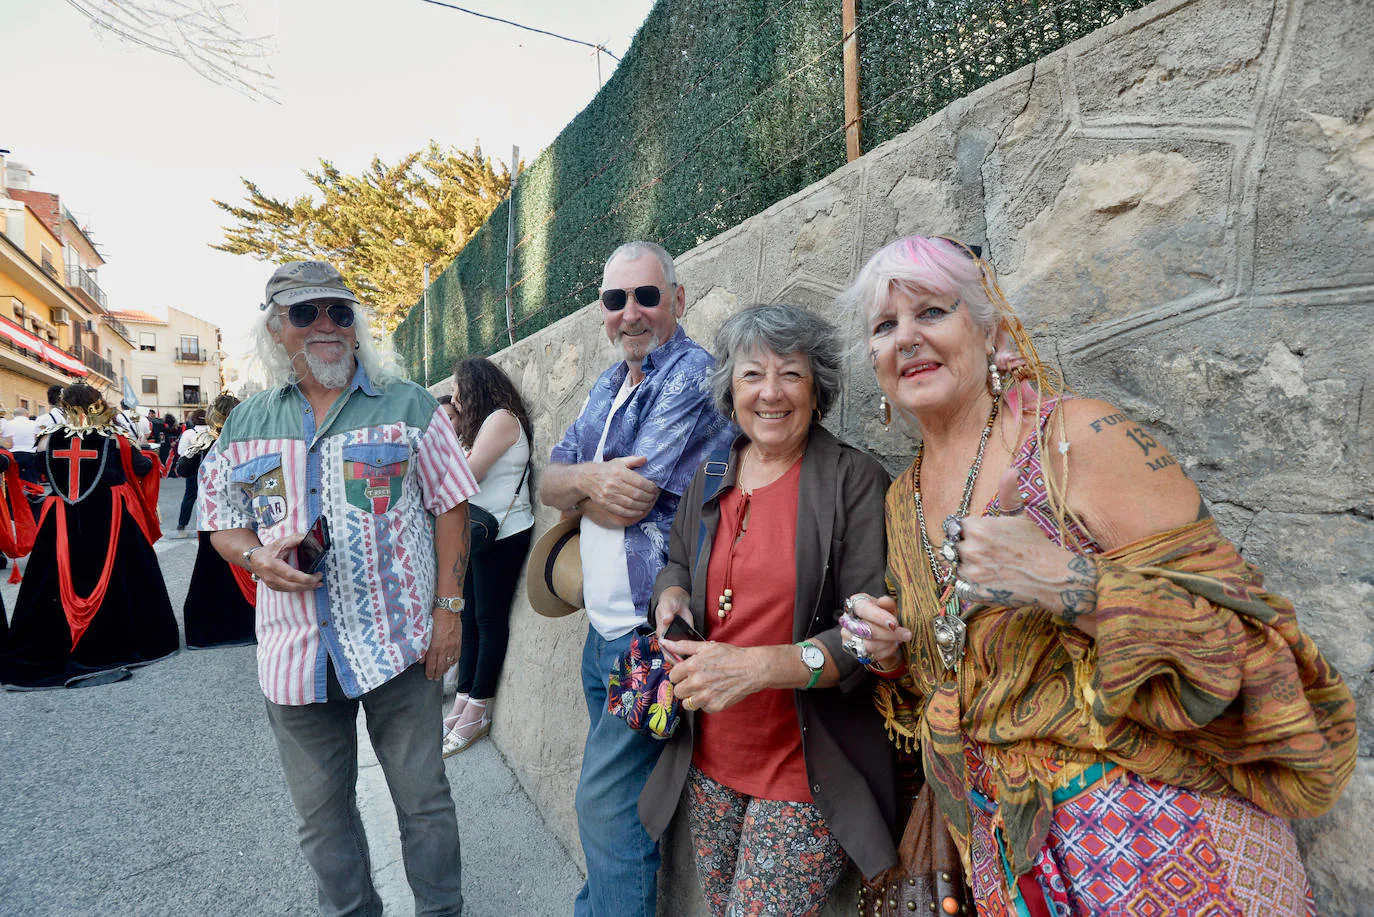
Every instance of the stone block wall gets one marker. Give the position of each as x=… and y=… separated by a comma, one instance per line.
x=1182, y=207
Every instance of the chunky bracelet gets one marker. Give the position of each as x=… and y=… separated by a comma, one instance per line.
x=894, y=674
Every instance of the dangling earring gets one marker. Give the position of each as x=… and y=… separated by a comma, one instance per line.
x=994, y=379
x=884, y=411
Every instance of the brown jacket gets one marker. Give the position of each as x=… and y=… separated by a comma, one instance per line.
x=840, y=551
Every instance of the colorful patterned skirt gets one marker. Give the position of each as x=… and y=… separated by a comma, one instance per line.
x=1123, y=845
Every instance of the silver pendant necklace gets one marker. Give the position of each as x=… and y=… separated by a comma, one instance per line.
x=951, y=634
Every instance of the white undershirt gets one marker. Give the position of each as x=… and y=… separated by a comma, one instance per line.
x=605, y=571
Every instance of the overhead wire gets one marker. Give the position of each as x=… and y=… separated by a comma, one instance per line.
x=528, y=28
x=716, y=205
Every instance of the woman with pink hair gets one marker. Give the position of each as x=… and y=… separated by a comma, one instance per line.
x=1109, y=706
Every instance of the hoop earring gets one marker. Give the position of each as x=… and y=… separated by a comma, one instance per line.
x=884, y=411
x=732, y=415
x=994, y=379
x=818, y=415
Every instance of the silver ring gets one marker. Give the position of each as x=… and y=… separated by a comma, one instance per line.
x=904, y=352
x=950, y=552
x=953, y=528
x=964, y=588
x=856, y=626
x=856, y=647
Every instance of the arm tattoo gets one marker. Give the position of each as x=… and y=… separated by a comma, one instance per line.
x=1079, y=595
x=1108, y=420
x=1145, y=441
x=1003, y=597
x=460, y=560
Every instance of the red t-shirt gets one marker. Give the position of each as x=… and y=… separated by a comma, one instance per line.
x=755, y=746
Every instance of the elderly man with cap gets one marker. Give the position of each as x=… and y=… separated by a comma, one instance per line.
x=623, y=464
x=339, y=441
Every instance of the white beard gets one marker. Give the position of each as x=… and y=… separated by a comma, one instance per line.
x=332, y=375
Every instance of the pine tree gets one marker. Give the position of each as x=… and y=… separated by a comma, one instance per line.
x=378, y=228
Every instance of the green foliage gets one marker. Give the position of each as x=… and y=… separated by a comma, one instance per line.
x=717, y=111
x=378, y=228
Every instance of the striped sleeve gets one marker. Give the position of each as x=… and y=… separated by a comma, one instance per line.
x=445, y=478
x=220, y=505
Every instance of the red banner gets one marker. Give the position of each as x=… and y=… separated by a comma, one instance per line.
x=41, y=348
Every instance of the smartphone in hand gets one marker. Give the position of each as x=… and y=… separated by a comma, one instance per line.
x=313, y=547
x=679, y=629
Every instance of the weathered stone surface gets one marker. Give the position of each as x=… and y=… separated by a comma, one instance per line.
x=1173, y=66
x=1129, y=228
x=799, y=235
x=1315, y=195
x=1336, y=849
x=1182, y=206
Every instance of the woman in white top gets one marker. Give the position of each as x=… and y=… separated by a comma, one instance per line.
x=495, y=430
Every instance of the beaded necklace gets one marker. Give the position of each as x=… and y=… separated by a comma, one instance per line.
x=948, y=626
x=725, y=601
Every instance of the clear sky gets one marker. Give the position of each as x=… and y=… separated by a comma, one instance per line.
x=138, y=144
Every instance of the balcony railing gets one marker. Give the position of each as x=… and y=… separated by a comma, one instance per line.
x=196, y=400
x=96, y=362
x=118, y=326
x=80, y=278
x=192, y=356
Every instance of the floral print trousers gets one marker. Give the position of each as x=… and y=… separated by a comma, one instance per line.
x=760, y=856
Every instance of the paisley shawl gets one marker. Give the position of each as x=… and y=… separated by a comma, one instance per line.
x=1198, y=678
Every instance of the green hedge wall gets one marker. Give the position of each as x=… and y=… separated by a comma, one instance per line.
x=717, y=111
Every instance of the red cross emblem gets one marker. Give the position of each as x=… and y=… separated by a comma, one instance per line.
x=74, y=454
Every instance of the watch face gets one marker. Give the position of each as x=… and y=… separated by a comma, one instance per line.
x=813, y=657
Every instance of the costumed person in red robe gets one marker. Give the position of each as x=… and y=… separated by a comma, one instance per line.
x=93, y=604
x=221, y=602
x=17, y=528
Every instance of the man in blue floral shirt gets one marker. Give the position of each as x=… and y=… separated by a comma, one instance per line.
x=647, y=424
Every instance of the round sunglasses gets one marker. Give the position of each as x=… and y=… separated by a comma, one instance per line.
x=647, y=297
x=303, y=314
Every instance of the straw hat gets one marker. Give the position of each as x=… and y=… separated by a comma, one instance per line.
x=554, y=580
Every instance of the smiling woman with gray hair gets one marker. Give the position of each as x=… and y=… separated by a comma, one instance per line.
x=787, y=772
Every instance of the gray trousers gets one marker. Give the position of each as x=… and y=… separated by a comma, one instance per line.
x=318, y=744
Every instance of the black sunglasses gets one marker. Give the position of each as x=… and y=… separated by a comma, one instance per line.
x=303, y=314
x=968, y=249
x=614, y=300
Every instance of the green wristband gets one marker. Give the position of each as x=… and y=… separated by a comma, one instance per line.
x=814, y=659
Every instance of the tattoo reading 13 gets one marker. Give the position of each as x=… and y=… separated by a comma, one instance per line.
x=1145, y=441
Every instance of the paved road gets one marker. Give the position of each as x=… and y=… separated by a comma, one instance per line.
x=162, y=795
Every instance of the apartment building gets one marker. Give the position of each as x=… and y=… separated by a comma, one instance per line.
x=177, y=365
x=55, y=325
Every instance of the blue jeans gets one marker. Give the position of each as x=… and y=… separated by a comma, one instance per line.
x=319, y=755
x=622, y=861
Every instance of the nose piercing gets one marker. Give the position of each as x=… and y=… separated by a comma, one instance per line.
x=907, y=351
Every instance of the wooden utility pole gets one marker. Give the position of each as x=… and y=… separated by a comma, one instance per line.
x=510, y=240
x=852, y=115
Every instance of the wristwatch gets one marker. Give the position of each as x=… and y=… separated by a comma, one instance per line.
x=814, y=659
x=453, y=603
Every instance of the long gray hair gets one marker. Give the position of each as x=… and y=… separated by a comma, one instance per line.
x=376, y=357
